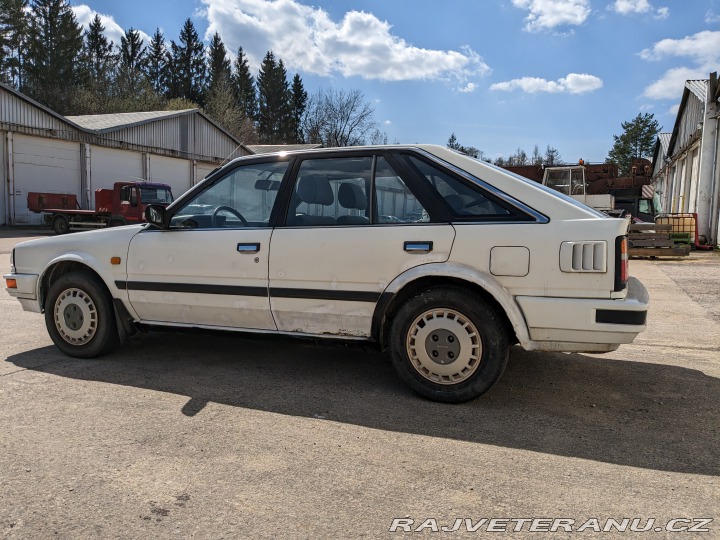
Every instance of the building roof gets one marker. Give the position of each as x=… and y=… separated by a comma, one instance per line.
x=699, y=88
x=103, y=123
x=271, y=148
x=664, y=139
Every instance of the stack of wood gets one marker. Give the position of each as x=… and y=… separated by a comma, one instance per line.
x=652, y=240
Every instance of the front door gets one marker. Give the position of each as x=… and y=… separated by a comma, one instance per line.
x=210, y=268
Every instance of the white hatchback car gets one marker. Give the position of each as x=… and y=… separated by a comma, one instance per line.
x=442, y=259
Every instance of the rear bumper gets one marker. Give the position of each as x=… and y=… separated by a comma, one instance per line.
x=585, y=325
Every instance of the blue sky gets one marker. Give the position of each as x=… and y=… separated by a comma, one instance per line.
x=501, y=75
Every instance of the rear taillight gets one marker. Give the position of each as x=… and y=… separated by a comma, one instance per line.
x=622, y=270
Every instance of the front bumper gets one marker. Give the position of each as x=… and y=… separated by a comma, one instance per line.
x=25, y=290
x=585, y=325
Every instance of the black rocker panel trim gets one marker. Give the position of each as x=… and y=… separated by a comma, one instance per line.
x=277, y=292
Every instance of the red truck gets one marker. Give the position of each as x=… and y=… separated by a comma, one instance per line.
x=122, y=205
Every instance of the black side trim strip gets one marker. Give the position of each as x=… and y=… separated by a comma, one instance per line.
x=610, y=316
x=199, y=288
x=322, y=294
x=277, y=292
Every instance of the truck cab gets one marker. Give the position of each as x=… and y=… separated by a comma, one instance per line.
x=127, y=201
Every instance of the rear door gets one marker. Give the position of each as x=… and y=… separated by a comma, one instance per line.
x=352, y=226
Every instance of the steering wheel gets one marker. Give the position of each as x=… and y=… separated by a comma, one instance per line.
x=234, y=212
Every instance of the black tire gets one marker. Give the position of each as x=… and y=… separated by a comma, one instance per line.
x=60, y=225
x=79, y=316
x=448, y=344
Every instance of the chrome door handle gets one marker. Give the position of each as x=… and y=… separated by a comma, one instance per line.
x=418, y=247
x=248, y=248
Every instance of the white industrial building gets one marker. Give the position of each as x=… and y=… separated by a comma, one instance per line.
x=42, y=151
x=685, y=164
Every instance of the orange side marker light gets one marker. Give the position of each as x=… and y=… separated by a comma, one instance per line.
x=11, y=283
x=115, y=260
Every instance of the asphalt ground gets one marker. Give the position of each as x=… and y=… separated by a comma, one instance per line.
x=216, y=436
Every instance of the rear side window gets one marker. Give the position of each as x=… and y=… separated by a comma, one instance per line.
x=463, y=201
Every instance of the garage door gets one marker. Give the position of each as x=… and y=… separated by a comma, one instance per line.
x=175, y=172
x=44, y=165
x=202, y=170
x=108, y=166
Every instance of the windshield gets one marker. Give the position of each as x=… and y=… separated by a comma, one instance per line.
x=156, y=195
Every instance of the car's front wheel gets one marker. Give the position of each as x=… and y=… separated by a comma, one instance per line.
x=448, y=344
x=79, y=316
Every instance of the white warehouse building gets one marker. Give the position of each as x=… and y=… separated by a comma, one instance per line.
x=43, y=151
x=686, y=166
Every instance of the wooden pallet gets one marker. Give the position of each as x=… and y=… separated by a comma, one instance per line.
x=651, y=240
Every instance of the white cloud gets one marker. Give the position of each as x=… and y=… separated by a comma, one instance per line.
x=468, y=88
x=674, y=110
x=711, y=18
x=307, y=39
x=701, y=49
x=113, y=31
x=548, y=14
x=574, y=83
x=671, y=84
x=627, y=7
x=387, y=122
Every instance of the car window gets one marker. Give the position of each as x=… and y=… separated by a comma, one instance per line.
x=331, y=191
x=242, y=198
x=463, y=201
x=395, y=202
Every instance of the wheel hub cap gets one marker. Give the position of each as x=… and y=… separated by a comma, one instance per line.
x=76, y=317
x=444, y=346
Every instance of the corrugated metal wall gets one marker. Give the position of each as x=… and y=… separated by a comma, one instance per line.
x=690, y=124
x=21, y=116
x=188, y=136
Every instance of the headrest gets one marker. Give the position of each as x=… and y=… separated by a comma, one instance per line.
x=351, y=196
x=315, y=190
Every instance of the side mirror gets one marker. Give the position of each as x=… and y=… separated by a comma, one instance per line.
x=155, y=215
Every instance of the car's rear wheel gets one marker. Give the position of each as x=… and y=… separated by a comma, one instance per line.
x=79, y=316
x=448, y=344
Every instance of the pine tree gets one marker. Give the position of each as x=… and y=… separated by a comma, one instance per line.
x=55, y=41
x=274, y=109
x=156, y=63
x=218, y=64
x=13, y=31
x=98, y=56
x=133, y=60
x=636, y=141
x=298, y=99
x=244, y=85
x=188, y=65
